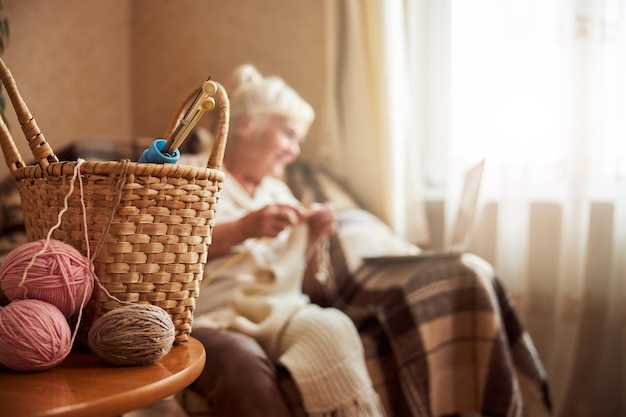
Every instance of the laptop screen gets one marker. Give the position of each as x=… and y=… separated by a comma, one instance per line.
x=467, y=208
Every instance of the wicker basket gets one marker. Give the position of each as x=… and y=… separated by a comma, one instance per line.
x=148, y=226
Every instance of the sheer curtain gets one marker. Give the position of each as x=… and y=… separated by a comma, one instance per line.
x=366, y=127
x=538, y=88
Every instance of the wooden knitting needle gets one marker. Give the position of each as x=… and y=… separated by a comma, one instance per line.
x=202, y=103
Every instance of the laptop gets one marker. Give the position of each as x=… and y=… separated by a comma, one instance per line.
x=463, y=223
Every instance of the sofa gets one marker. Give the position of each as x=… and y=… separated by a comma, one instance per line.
x=442, y=336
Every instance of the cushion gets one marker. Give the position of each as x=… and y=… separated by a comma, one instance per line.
x=364, y=235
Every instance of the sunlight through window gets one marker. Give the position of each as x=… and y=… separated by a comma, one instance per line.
x=539, y=87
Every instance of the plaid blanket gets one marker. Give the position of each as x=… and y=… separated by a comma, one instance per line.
x=442, y=336
x=447, y=337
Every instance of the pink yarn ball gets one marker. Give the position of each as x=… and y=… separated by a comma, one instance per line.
x=35, y=336
x=60, y=275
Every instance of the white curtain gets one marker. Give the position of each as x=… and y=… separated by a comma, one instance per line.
x=366, y=127
x=538, y=88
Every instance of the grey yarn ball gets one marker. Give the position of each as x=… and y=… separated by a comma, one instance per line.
x=134, y=334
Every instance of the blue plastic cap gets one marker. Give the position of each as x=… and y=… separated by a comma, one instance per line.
x=154, y=155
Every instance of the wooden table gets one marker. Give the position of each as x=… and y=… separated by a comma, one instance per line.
x=85, y=386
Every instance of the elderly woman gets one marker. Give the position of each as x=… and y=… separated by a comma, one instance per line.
x=253, y=315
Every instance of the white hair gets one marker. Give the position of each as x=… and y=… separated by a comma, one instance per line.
x=262, y=97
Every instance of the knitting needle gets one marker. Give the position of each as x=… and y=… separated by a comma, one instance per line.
x=162, y=151
x=306, y=201
x=202, y=103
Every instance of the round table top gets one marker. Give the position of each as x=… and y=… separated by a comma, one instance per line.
x=86, y=386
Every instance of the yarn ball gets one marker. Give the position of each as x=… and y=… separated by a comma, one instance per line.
x=34, y=336
x=134, y=334
x=60, y=275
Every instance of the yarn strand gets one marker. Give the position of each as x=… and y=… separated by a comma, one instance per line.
x=44, y=337
x=120, y=335
x=53, y=228
x=91, y=270
x=118, y=198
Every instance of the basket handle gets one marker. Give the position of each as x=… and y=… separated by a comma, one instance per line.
x=219, y=145
x=9, y=150
x=39, y=147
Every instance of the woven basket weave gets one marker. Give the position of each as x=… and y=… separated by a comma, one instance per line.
x=149, y=226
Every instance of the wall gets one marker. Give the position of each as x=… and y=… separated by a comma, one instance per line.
x=91, y=68
x=177, y=45
x=71, y=62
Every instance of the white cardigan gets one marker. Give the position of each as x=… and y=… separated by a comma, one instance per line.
x=260, y=295
x=264, y=282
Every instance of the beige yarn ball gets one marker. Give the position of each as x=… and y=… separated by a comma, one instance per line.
x=134, y=334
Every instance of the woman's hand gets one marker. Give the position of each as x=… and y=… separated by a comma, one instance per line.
x=270, y=220
x=322, y=221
